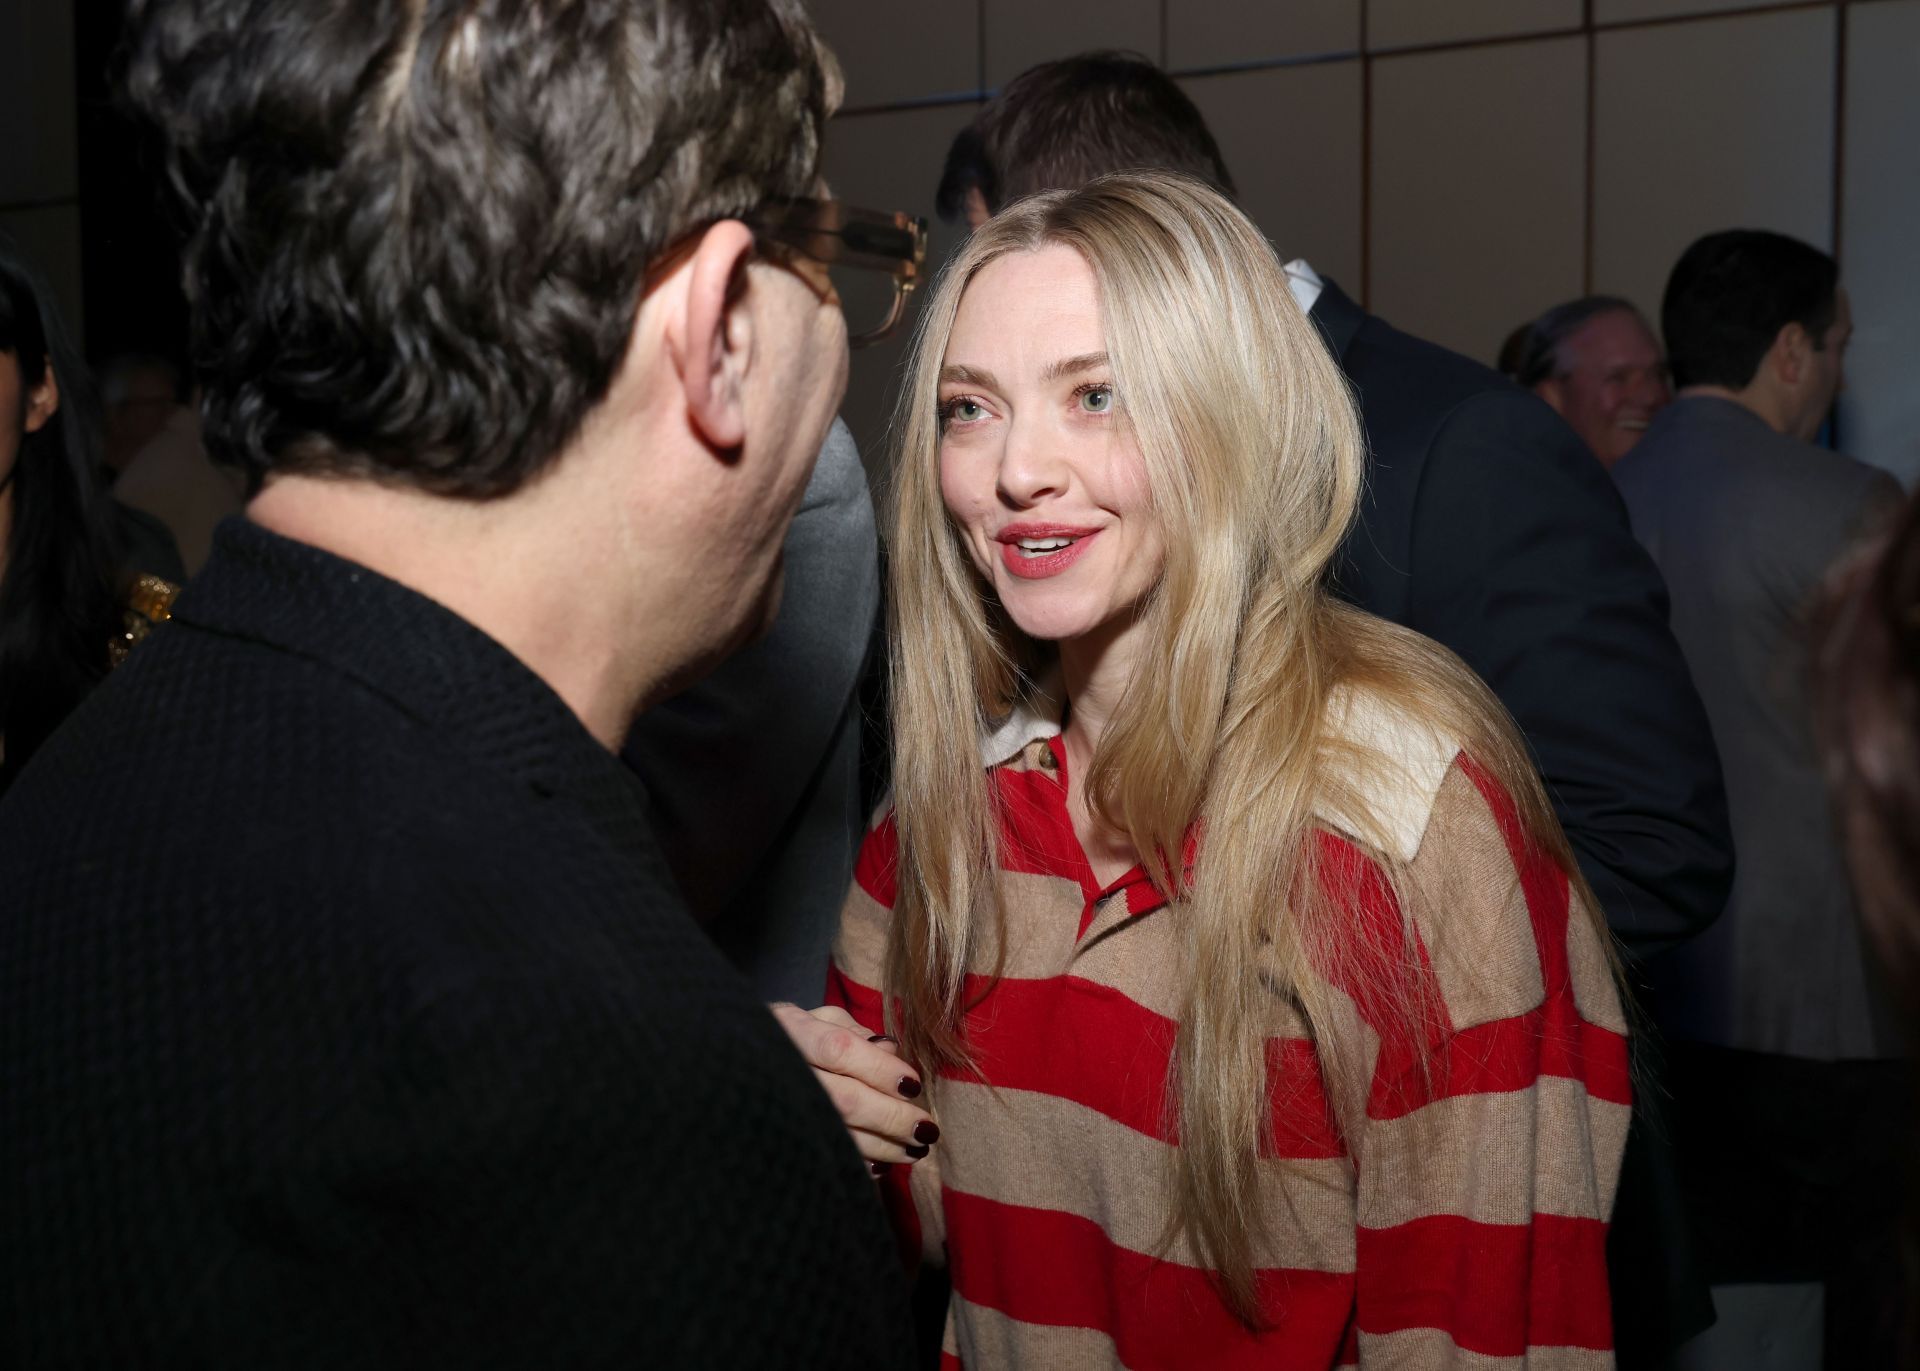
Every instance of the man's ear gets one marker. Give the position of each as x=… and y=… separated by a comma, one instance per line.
x=43, y=401
x=716, y=343
x=1791, y=352
x=1554, y=393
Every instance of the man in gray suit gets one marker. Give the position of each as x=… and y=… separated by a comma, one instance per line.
x=1785, y=1094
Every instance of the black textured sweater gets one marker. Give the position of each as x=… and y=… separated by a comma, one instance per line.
x=348, y=1019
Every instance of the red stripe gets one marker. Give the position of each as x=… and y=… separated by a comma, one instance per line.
x=876, y=869
x=1079, y=1040
x=1045, y=1267
x=1036, y=834
x=949, y=1362
x=863, y=1002
x=1495, y=1289
x=1510, y=1054
x=1549, y=896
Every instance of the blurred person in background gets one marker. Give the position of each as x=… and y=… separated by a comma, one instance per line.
x=1598, y=364
x=69, y=608
x=1787, y=1079
x=139, y=392
x=170, y=477
x=1867, y=698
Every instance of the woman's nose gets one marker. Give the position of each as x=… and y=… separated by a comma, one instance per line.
x=1030, y=466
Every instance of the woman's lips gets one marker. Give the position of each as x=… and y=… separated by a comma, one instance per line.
x=1037, y=566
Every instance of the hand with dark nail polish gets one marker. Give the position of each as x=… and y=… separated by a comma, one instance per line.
x=917, y=1151
x=868, y=1081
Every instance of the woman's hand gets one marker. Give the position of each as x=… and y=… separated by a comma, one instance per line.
x=867, y=1082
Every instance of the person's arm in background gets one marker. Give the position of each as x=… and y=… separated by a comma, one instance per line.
x=1523, y=563
x=753, y=772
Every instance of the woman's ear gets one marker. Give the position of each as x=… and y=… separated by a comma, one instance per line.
x=43, y=401
x=715, y=347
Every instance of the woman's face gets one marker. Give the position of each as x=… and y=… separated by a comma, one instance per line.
x=1037, y=469
x=22, y=410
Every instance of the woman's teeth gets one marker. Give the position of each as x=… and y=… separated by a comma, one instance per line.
x=1040, y=547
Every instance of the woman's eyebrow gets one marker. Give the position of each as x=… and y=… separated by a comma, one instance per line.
x=1072, y=366
x=968, y=376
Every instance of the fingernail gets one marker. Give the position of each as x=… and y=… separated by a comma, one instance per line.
x=878, y=1169
x=926, y=1131
x=879, y=1038
x=915, y=1152
x=909, y=1088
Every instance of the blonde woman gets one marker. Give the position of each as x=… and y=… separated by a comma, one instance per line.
x=1264, y=1013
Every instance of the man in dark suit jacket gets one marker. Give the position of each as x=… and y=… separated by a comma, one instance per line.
x=348, y=1016
x=1488, y=527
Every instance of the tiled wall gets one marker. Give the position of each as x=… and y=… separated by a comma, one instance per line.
x=39, y=157
x=1462, y=164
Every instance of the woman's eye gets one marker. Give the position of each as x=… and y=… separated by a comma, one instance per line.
x=966, y=411
x=1097, y=399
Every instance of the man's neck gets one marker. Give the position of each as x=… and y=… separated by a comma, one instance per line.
x=512, y=567
x=1753, y=399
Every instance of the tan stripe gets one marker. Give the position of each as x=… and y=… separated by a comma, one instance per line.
x=1470, y=909
x=1043, y=915
x=1424, y=1349
x=1550, y=1149
x=1595, y=992
x=924, y=1183
x=860, y=947
x=991, y=1341
x=1024, y=1148
x=1141, y=956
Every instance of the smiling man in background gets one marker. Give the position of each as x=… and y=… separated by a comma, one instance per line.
x=1598, y=364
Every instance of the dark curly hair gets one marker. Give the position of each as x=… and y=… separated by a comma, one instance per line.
x=416, y=230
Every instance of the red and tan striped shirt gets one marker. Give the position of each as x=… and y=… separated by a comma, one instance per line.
x=1459, y=1220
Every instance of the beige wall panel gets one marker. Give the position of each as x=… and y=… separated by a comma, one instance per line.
x=899, y=50
x=1404, y=23
x=1023, y=33
x=891, y=161
x=1626, y=11
x=1726, y=123
x=1478, y=215
x=1221, y=33
x=1879, y=231
x=38, y=154
x=1291, y=141
x=50, y=237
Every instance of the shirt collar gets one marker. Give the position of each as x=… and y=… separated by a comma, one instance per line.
x=1305, y=283
x=420, y=656
x=1399, y=793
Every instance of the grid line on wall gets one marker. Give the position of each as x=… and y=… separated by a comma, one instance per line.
x=1366, y=161
x=1589, y=30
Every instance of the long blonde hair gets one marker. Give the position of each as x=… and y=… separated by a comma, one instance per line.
x=1254, y=458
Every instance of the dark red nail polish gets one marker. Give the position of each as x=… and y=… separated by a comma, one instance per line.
x=916, y=1152
x=878, y=1169
x=879, y=1038
x=926, y=1131
x=909, y=1088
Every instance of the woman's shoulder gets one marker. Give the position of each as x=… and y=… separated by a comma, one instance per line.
x=1384, y=770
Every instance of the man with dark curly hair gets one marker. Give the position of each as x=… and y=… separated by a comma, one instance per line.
x=348, y=1016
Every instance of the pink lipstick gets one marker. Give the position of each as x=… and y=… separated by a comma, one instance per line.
x=1034, y=552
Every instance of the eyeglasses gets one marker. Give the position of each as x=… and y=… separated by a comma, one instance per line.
x=874, y=261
